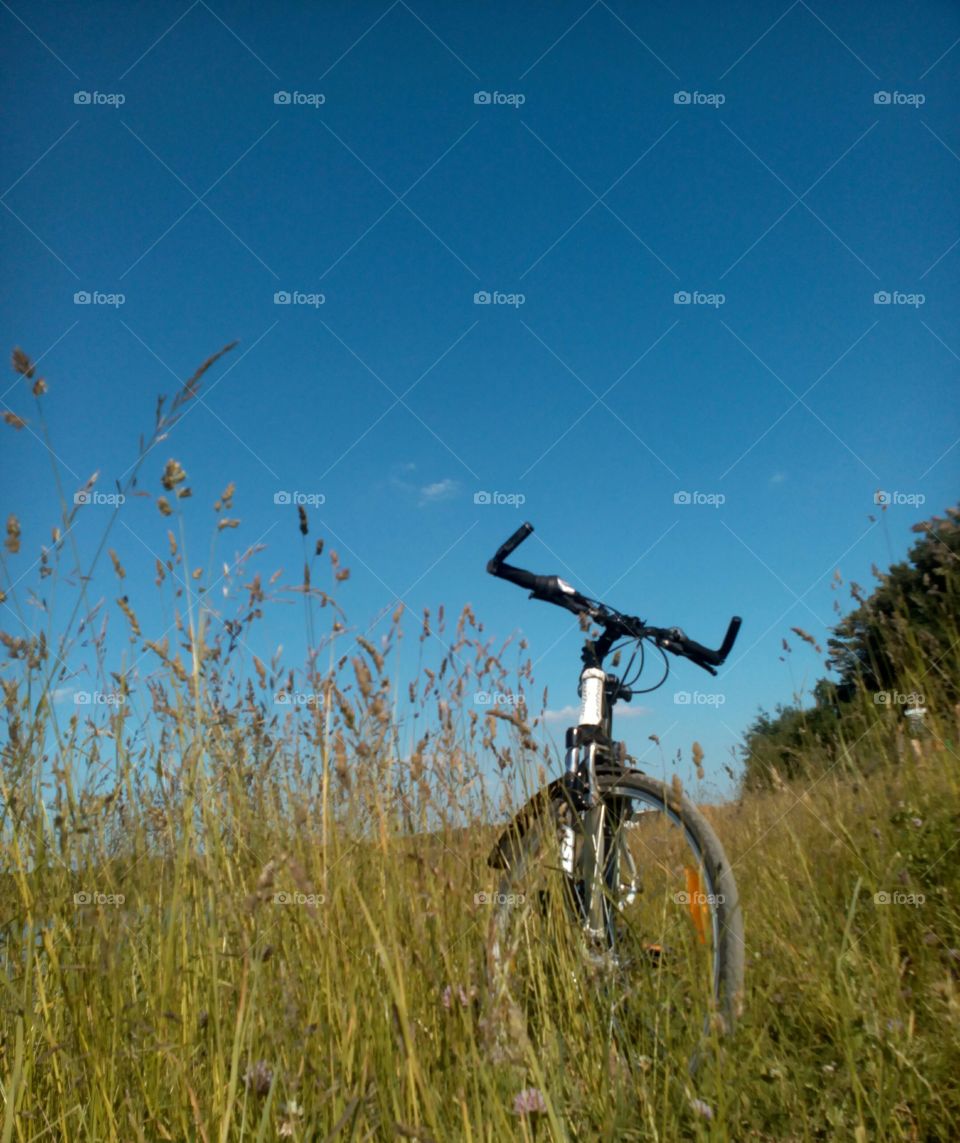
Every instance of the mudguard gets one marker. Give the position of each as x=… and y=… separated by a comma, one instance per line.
x=508, y=844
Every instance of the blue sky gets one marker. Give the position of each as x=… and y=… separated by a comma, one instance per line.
x=791, y=171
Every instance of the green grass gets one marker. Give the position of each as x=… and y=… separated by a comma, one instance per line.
x=140, y=1019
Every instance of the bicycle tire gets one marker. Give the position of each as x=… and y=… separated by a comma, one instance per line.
x=523, y=848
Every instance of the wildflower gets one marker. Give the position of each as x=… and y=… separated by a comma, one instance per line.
x=292, y=1112
x=699, y=1107
x=530, y=1101
x=463, y=995
x=258, y=1077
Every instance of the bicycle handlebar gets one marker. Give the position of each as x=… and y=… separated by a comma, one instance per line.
x=493, y=567
x=552, y=589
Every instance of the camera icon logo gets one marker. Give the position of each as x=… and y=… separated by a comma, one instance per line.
x=282, y=298
x=881, y=97
x=481, y=898
x=682, y=698
x=281, y=698
x=481, y=97
x=282, y=498
x=82, y=898
x=81, y=498
x=82, y=298
x=482, y=498
x=681, y=97
x=881, y=898
x=282, y=899
x=82, y=97
x=882, y=298
x=681, y=497
x=281, y=97
x=682, y=298
x=881, y=499
x=482, y=298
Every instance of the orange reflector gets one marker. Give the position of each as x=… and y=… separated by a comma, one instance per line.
x=696, y=901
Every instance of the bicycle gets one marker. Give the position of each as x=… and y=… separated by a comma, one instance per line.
x=627, y=858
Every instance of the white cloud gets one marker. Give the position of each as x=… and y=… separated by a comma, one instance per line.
x=778, y=478
x=571, y=714
x=440, y=490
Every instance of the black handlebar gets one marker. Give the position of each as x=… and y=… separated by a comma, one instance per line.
x=493, y=567
x=552, y=589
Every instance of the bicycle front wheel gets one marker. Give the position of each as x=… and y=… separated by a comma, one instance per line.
x=635, y=903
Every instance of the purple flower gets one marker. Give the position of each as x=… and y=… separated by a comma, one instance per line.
x=258, y=1077
x=462, y=994
x=701, y=1108
x=530, y=1101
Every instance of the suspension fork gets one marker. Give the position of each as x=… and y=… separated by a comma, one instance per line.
x=594, y=862
x=594, y=878
x=595, y=873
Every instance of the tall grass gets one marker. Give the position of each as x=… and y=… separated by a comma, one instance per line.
x=228, y=916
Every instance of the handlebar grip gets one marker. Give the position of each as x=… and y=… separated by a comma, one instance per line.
x=703, y=655
x=730, y=638
x=698, y=653
x=506, y=548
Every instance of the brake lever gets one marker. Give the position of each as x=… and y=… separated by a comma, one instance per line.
x=675, y=645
